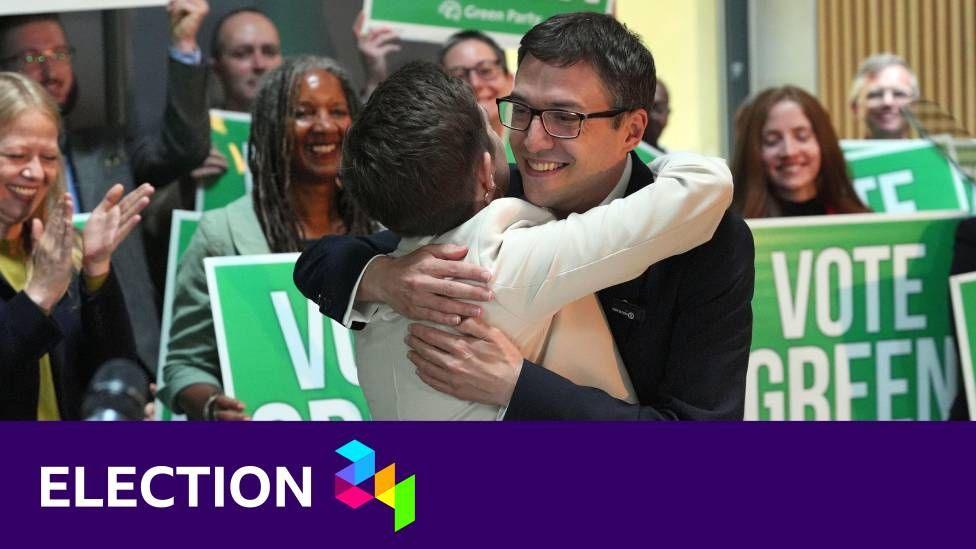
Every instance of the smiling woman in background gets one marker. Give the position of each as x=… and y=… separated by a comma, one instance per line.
x=476, y=58
x=56, y=328
x=299, y=119
x=787, y=160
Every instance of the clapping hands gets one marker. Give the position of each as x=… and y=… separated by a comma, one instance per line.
x=51, y=256
x=110, y=222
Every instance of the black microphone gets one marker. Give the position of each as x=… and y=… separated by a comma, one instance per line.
x=118, y=392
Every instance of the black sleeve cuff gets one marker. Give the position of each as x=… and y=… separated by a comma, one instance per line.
x=31, y=332
x=328, y=270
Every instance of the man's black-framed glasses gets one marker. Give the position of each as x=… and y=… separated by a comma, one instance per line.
x=559, y=123
x=30, y=58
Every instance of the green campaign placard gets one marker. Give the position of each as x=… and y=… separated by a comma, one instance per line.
x=963, y=287
x=278, y=354
x=184, y=224
x=905, y=176
x=505, y=20
x=851, y=319
x=229, y=132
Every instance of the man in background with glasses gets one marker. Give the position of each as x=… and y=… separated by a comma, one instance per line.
x=683, y=328
x=97, y=158
x=884, y=85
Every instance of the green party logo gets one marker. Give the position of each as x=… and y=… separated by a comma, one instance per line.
x=450, y=10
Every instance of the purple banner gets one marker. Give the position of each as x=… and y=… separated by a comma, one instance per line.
x=486, y=485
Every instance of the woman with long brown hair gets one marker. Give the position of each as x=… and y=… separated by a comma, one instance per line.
x=787, y=160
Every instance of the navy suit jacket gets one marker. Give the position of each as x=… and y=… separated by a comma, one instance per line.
x=963, y=261
x=102, y=157
x=683, y=328
x=83, y=331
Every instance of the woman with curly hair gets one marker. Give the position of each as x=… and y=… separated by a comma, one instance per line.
x=299, y=119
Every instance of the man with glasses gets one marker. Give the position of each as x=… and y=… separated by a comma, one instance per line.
x=883, y=86
x=476, y=58
x=682, y=328
x=96, y=158
x=408, y=162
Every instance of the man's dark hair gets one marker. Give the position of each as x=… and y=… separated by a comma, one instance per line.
x=465, y=35
x=411, y=157
x=10, y=23
x=624, y=64
x=215, y=47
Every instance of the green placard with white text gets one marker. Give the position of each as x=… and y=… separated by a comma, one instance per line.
x=905, y=176
x=505, y=20
x=278, y=354
x=851, y=319
x=229, y=132
x=963, y=288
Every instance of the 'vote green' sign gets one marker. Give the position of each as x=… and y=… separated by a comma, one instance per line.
x=229, y=132
x=278, y=354
x=851, y=320
x=964, y=311
x=905, y=176
x=504, y=20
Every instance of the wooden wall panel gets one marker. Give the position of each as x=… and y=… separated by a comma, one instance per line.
x=936, y=37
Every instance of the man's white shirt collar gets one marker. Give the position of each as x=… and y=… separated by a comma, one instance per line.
x=621, y=188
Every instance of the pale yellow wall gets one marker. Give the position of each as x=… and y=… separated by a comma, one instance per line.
x=685, y=38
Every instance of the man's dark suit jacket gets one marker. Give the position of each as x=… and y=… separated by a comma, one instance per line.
x=102, y=157
x=963, y=261
x=83, y=332
x=683, y=328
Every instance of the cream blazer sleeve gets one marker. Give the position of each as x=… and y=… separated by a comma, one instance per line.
x=540, y=263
